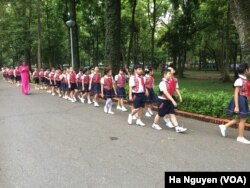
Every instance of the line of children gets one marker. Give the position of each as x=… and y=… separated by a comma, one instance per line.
x=70, y=86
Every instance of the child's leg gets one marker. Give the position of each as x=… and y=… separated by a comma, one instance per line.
x=157, y=119
x=242, y=126
x=232, y=122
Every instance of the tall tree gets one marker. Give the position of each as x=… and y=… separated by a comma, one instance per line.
x=240, y=10
x=39, y=33
x=113, y=36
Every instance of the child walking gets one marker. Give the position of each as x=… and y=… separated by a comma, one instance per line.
x=173, y=91
x=149, y=84
x=137, y=94
x=85, y=83
x=166, y=104
x=108, y=90
x=95, y=86
x=35, y=76
x=120, y=83
x=239, y=104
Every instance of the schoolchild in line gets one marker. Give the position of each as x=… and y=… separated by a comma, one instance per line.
x=137, y=93
x=41, y=76
x=35, y=76
x=17, y=75
x=72, y=84
x=57, y=81
x=121, y=79
x=80, y=85
x=52, y=81
x=108, y=90
x=85, y=84
x=46, y=80
x=95, y=85
x=166, y=104
x=149, y=84
x=239, y=104
x=173, y=88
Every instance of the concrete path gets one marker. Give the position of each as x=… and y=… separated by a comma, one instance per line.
x=48, y=142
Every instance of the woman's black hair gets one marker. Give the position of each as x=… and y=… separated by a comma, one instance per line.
x=240, y=70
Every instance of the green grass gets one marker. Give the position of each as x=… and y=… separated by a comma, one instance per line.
x=205, y=84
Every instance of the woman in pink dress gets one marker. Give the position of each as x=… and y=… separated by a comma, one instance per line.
x=24, y=69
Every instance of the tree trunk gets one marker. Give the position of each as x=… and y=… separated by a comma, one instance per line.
x=112, y=53
x=240, y=10
x=132, y=31
x=39, y=40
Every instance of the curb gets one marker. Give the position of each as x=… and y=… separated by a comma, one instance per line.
x=199, y=117
x=193, y=115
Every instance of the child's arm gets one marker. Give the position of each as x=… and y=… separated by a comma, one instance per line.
x=102, y=91
x=236, y=99
x=179, y=94
x=90, y=83
x=130, y=93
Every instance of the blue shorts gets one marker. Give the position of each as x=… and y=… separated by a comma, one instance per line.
x=18, y=78
x=73, y=86
x=42, y=79
x=151, y=96
x=79, y=86
x=58, y=84
x=52, y=83
x=86, y=87
x=139, y=100
x=121, y=93
x=165, y=107
x=62, y=86
x=36, y=80
x=46, y=81
x=96, y=88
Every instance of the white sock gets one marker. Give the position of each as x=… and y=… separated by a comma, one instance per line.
x=110, y=105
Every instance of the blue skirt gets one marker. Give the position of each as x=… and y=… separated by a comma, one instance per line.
x=96, y=88
x=243, y=107
x=108, y=93
x=121, y=93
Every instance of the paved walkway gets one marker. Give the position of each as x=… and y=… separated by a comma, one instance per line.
x=46, y=141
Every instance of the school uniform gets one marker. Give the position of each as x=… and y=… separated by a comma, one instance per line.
x=108, y=90
x=57, y=78
x=79, y=82
x=63, y=82
x=165, y=106
x=46, y=78
x=243, y=83
x=72, y=80
x=149, y=84
x=95, y=85
x=120, y=82
x=86, y=79
x=41, y=76
x=136, y=82
x=11, y=74
x=17, y=75
x=36, y=77
x=173, y=86
x=51, y=78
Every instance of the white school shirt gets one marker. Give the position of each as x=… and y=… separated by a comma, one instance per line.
x=102, y=79
x=162, y=87
x=132, y=84
x=239, y=82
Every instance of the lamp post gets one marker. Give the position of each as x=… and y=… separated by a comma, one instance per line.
x=71, y=24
